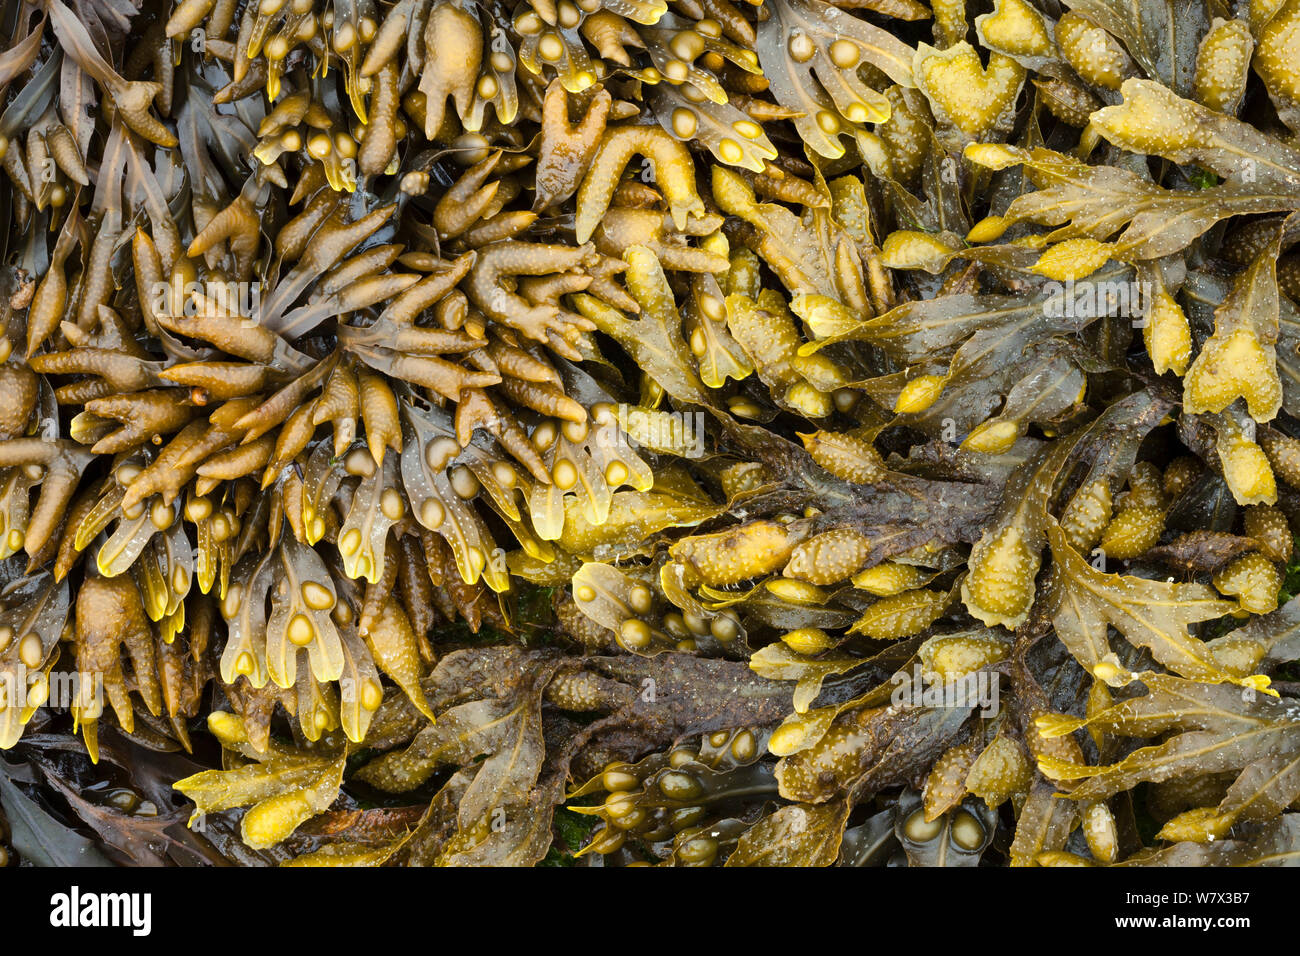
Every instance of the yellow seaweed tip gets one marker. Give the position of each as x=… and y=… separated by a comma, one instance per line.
x=919, y=394
x=1073, y=259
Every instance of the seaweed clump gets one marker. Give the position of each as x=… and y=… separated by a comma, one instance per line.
x=788, y=432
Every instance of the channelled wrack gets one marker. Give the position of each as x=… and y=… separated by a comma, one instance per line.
x=695, y=433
